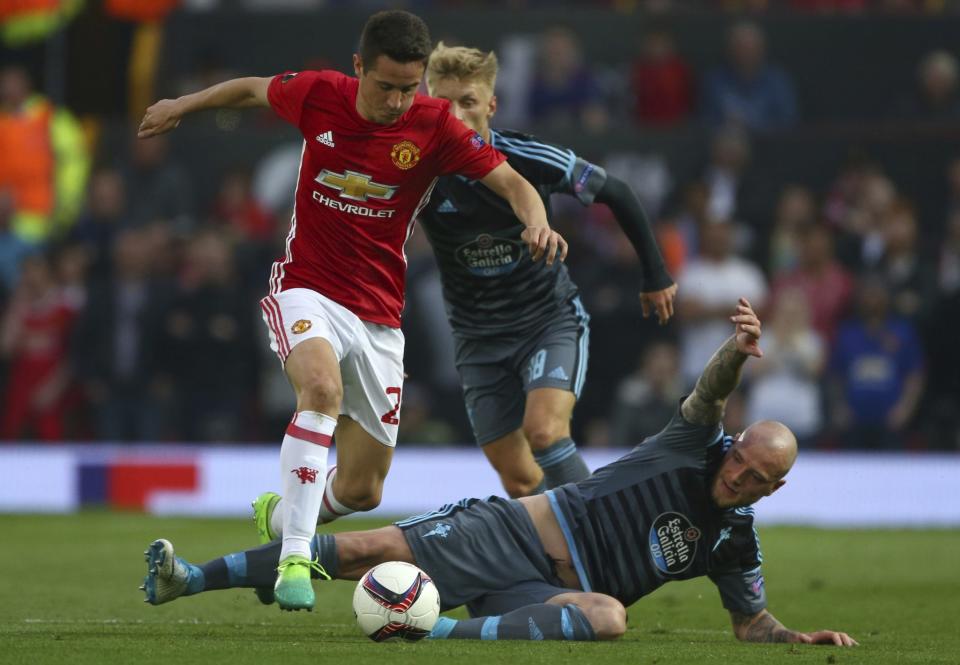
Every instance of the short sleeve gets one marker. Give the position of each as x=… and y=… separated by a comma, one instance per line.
x=287, y=94
x=741, y=591
x=681, y=435
x=553, y=166
x=584, y=182
x=741, y=584
x=463, y=151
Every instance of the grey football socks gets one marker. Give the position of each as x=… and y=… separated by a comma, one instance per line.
x=257, y=567
x=533, y=622
x=561, y=463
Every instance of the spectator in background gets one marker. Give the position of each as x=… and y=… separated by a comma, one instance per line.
x=647, y=396
x=910, y=278
x=692, y=215
x=565, y=94
x=748, y=91
x=785, y=383
x=237, y=208
x=72, y=266
x=105, y=216
x=825, y=285
x=34, y=338
x=158, y=187
x=859, y=228
x=846, y=189
x=609, y=284
x=796, y=209
x=731, y=193
x=877, y=372
x=43, y=159
x=13, y=248
x=207, y=344
x=662, y=82
x=711, y=281
x=114, y=346
x=936, y=98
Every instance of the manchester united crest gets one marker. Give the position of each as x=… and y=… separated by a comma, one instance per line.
x=405, y=155
x=300, y=327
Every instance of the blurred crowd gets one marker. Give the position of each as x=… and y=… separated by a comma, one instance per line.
x=129, y=293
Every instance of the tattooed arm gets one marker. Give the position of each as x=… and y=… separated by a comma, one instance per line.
x=764, y=627
x=722, y=374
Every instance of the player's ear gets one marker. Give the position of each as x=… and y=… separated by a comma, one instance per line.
x=357, y=65
x=780, y=483
x=492, y=108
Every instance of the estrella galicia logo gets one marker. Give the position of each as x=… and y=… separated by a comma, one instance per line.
x=442, y=530
x=489, y=256
x=673, y=542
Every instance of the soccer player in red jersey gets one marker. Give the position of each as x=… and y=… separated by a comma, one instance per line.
x=373, y=150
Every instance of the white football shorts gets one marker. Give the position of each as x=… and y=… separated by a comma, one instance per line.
x=370, y=355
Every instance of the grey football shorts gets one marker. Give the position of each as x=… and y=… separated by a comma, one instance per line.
x=484, y=554
x=498, y=372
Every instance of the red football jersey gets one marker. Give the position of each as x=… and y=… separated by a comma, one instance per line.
x=360, y=188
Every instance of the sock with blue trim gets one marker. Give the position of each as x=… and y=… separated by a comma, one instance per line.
x=533, y=622
x=258, y=567
x=561, y=463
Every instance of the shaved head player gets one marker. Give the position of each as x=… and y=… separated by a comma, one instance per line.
x=569, y=561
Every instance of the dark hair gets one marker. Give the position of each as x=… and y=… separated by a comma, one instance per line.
x=399, y=35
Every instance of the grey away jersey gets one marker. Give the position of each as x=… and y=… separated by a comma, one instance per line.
x=490, y=285
x=648, y=518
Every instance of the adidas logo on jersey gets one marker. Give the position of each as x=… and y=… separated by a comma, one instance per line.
x=326, y=138
x=558, y=373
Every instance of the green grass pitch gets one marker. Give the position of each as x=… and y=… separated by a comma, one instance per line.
x=68, y=594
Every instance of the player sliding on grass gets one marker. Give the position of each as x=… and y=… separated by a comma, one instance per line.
x=373, y=150
x=568, y=562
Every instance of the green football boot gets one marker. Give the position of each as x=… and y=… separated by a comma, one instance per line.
x=263, y=507
x=167, y=575
x=293, y=589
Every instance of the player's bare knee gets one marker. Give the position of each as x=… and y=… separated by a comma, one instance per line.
x=520, y=477
x=543, y=433
x=360, y=495
x=609, y=619
x=517, y=486
x=607, y=615
x=320, y=392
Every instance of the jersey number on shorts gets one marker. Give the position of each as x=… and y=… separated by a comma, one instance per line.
x=536, y=366
x=390, y=417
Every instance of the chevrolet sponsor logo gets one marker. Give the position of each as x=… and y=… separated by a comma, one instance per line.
x=355, y=186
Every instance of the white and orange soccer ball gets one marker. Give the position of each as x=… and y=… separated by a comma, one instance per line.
x=396, y=599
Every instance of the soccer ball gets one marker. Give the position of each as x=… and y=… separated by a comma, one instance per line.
x=396, y=599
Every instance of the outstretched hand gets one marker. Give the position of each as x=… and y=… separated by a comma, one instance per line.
x=659, y=302
x=828, y=637
x=544, y=241
x=747, y=329
x=160, y=118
